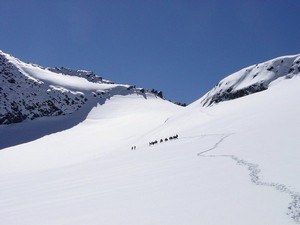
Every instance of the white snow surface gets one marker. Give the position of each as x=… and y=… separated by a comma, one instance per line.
x=235, y=163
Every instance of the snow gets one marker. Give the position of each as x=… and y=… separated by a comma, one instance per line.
x=235, y=162
x=104, y=129
x=67, y=81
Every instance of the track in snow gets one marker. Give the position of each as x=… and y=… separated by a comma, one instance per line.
x=294, y=206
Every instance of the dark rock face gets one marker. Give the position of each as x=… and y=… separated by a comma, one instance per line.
x=229, y=94
x=23, y=98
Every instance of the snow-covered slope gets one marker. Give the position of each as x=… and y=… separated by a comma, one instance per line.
x=106, y=128
x=29, y=91
x=253, y=79
x=236, y=162
x=89, y=75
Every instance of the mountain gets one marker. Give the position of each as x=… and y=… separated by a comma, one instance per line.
x=253, y=79
x=30, y=91
x=234, y=161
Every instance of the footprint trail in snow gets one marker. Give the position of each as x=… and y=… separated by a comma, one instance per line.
x=294, y=205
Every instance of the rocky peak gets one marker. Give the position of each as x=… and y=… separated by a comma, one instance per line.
x=28, y=91
x=252, y=79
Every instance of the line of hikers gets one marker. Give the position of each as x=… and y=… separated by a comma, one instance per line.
x=164, y=140
x=133, y=147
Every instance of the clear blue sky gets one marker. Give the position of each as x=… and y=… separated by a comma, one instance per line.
x=182, y=47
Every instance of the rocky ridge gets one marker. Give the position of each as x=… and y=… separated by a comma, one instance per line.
x=29, y=91
x=253, y=79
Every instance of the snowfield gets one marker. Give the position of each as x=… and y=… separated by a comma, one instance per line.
x=236, y=162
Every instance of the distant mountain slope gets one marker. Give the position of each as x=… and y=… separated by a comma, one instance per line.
x=253, y=79
x=89, y=75
x=28, y=91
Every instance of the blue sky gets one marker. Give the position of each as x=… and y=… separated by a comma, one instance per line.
x=182, y=47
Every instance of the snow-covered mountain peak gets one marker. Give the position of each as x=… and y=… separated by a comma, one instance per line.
x=253, y=79
x=89, y=75
x=28, y=91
